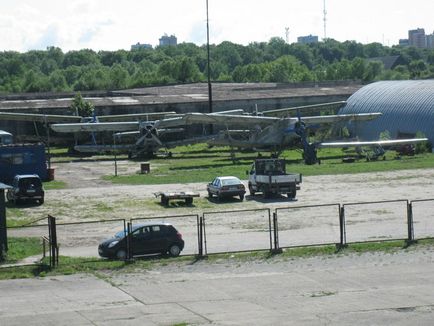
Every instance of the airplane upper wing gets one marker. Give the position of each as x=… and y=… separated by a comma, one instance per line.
x=135, y=116
x=372, y=143
x=339, y=117
x=38, y=117
x=314, y=107
x=95, y=126
x=222, y=119
x=44, y=118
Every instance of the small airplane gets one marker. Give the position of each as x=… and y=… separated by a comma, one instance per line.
x=271, y=130
x=110, y=122
x=275, y=130
x=372, y=150
x=143, y=138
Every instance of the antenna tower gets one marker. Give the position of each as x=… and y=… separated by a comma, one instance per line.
x=287, y=34
x=325, y=20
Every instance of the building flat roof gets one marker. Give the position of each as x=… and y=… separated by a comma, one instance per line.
x=185, y=93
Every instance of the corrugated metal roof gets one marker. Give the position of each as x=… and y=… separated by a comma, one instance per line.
x=407, y=107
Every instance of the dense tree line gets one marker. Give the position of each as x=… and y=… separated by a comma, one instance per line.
x=273, y=61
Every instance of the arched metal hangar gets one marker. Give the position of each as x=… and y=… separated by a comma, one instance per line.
x=407, y=107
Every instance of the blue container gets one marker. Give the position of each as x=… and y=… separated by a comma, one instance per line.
x=22, y=159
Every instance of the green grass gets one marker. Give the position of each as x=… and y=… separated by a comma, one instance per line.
x=198, y=163
x=51, y=185
x=20, y=248
x=103, y=268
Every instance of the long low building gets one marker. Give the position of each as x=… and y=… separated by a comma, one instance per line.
x=407, y=107
x=179, y=98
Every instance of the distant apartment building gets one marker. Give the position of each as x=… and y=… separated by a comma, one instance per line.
x=307, y=39
x=404, y=42
x=168, y=40
x=417, y=38
x=430, y=41
x=140, y=46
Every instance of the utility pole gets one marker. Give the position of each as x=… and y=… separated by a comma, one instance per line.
x=325, y=21
x=287, y=34
x=210, y=110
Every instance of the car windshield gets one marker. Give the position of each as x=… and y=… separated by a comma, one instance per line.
x=120, y=234
x=230, y=182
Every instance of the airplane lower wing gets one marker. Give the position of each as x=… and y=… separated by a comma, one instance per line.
x=371, y=143
x=101, y=148
x=340, y=117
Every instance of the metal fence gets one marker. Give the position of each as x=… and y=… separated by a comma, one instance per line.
x=258, y=229
x=236, y=231
x=375, y=221
x=422, y=212
x=81, y=239
x=307, y=225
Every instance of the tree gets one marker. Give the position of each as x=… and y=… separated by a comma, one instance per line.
x=186, y=70
x=416, y=68
x=57, y=82
x=118, y=77
x=81, y=107
x=80, y=58
x=373, y=70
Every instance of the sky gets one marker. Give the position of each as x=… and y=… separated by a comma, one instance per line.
x=112, y=24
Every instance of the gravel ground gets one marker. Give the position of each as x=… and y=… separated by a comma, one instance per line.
x=88, y=198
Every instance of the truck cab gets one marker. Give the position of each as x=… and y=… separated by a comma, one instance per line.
x=269, y=177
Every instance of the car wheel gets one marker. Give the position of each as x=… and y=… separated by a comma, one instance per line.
x=209, y=194
x=41, y=201
x=252, y=192
x=292, y=194
x=121, y=254
x=174, y=250
x=241, y=197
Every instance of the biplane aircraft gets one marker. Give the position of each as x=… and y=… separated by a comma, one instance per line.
x=271, y=130
x=276, y=134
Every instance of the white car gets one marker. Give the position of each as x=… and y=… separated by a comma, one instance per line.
x=226, y=187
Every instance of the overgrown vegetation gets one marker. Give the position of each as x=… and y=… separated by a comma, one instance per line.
x=273, y=61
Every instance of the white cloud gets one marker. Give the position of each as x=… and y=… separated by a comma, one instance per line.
x=113, y=24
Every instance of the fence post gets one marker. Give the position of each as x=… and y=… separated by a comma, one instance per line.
x=276, y=249
x=200, y=235
x=129, y=249
x=54, y=249
x=343, y=236
x=410, y=230
x=205, y=246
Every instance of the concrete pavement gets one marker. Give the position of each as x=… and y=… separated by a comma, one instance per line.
x=367, y=289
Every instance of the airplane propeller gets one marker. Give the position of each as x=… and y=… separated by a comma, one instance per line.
x=309, y=150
